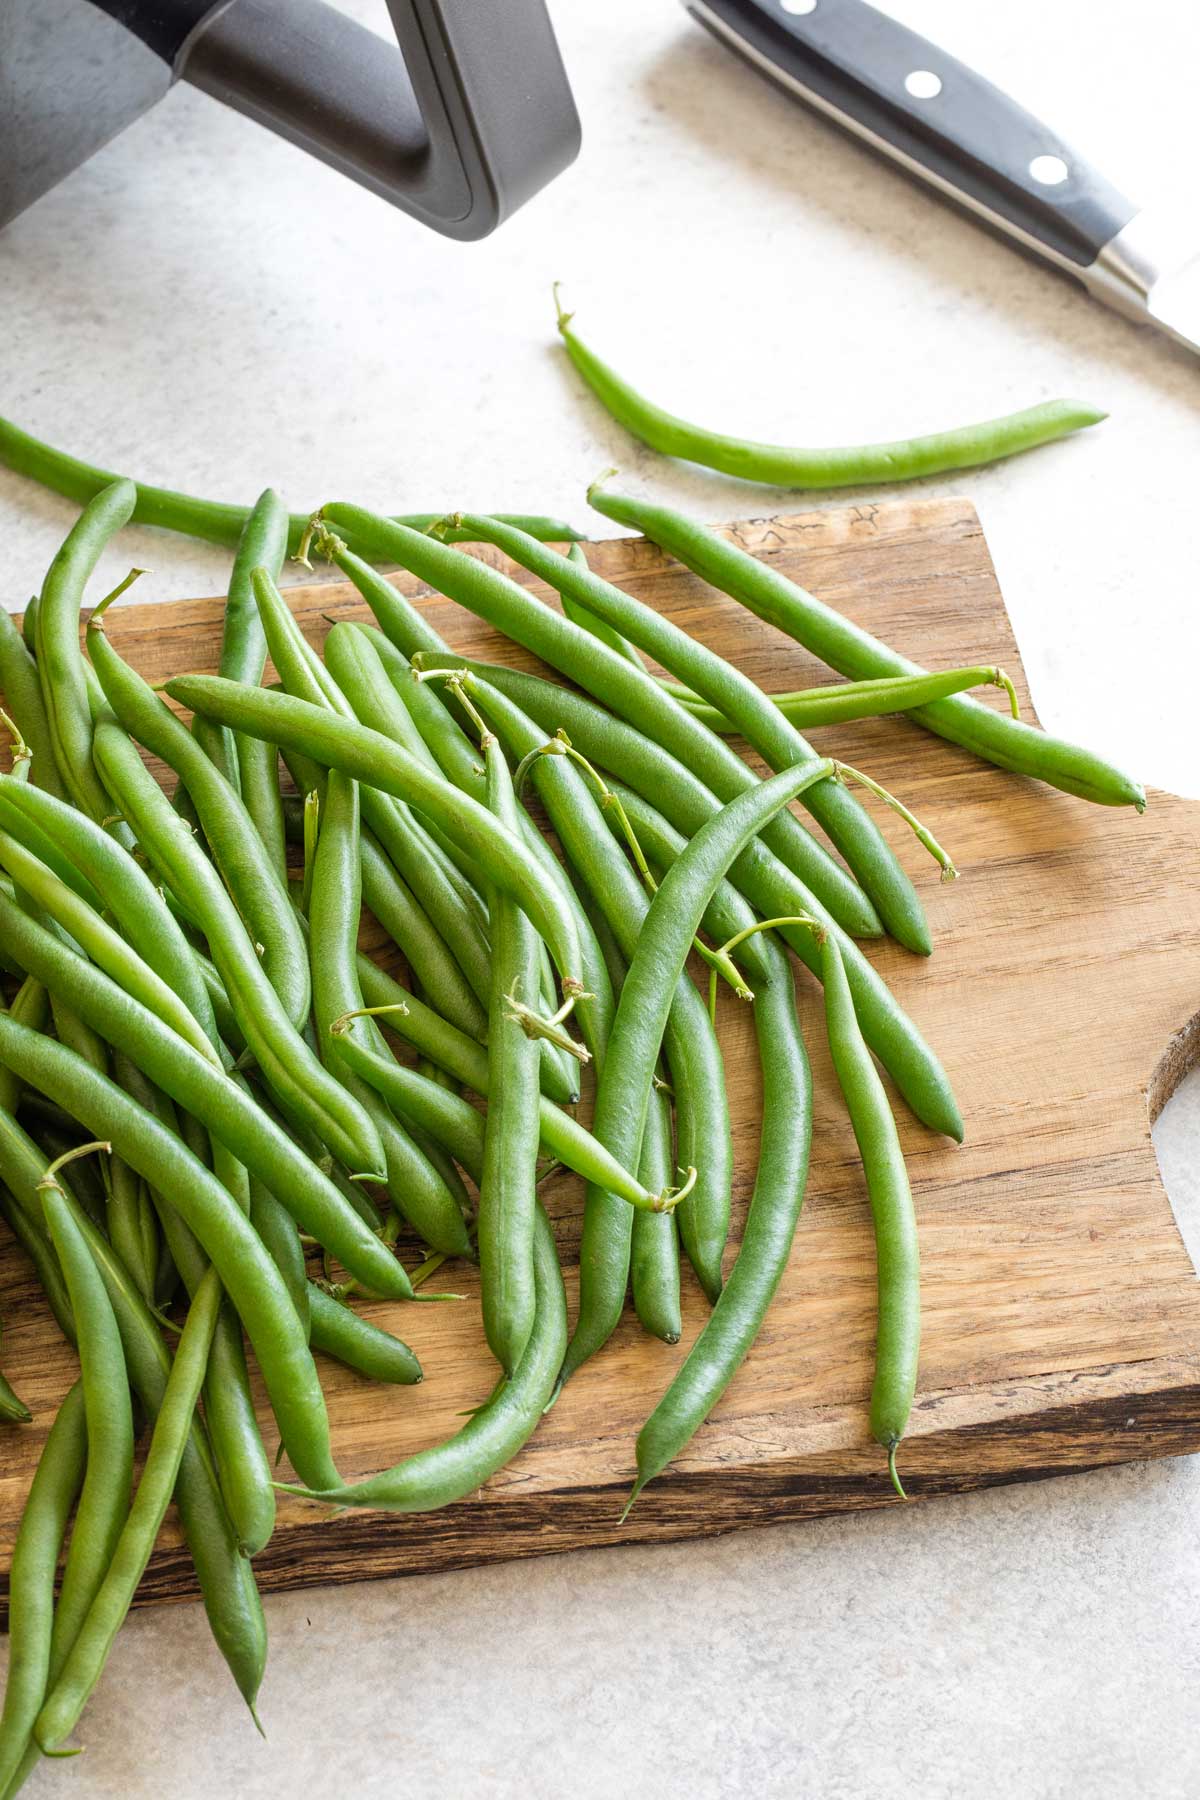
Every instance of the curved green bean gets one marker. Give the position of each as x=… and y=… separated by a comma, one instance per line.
x=213, y=521
x=340, y=1332
x=262, y=543
x=1009, y=743
x=898, y=1339
x=851, y=700
x=43, y=1524
x=735, y=1320
x=851, y=465
x=493, y=1435
x=23, y=701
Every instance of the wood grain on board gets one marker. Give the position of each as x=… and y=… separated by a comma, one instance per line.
x=1061, y=1311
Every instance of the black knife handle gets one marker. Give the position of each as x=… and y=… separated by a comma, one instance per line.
x=966, y=138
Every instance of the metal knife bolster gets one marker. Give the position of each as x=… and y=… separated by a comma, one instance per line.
x=948, y=127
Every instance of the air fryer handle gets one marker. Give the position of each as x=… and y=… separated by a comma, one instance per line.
x=459, y=125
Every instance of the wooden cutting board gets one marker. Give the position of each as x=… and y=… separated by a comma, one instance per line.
x=1061, y=1311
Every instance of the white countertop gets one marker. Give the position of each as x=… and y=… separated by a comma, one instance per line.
x=205, y=307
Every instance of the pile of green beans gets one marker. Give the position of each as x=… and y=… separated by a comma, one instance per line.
x=220, y=1122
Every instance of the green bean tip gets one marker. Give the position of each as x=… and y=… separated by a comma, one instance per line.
x=638, y=1485
x=892, y=1470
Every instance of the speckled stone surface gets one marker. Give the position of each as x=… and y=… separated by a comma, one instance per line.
x=203, y=305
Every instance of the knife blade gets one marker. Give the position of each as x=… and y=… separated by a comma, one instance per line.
x=949, y=128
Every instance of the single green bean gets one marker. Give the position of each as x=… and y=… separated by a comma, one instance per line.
x=304, y=1089
x=851, y=465
x=261, y=544
x=737, y=1317
x=629, y=690
x=898, y=1337
x=492, y=1436
x=104, y=1499
x=31, y=1581
x=230, y=1242
x=851, y=700
x=89, y=1652
x=508, y=1185
x=216, y=1100
x=59, y=658
x=852, y=831
x=23, y=699
x=772, y=890
x=213, y=521
x=340, y=1332
x=277, y=1229
x=1009, y=743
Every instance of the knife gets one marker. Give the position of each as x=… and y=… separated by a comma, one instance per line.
x=945, y=125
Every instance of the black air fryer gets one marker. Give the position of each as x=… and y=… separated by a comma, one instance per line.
x=458, y=122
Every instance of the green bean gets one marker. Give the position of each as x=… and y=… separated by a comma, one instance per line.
x=423, y=1104
x=31, y=1581
x=623, y=1092
x=414, y=1185
x=899, y=1329
x=338, y=1331
x=104, y=1499
x=230, y=1242
x=627, y=689
x=213, y=521
x=492, y=1436
x=13, y=1410
x=654, y=1246
x=307, y=1093
x=766, y=1244
x=218, y=1102
x=850, y=700
x=277, y=1229
x=23, y=697
x=851, y=651
x=253, y=881
x=115, y=884
x=850, y=465
x=393, y=903
x=691, y=1049
x=258, y=769
x=59, y=658
x=372, y=759
x=89, y=1652
x=262, y=543
x=508, y=1184
x=835, y=809
x=772, y=890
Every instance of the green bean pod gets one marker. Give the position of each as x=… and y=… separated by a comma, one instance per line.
x=43, y=1524
x=629, y=690
x=88, y=1654
x=104, y=1498
x=254, y=884
x=737, y=1317
x=340, y=1332
x=374, y=760
x=851, y=700
x=262, y=543
x=59, y=658
x=492, y=1436
x=13, y=1410
x=623, y=1092
x=852, y=830
x=508, y=1185
x=851, y=465
x=23, y=702
x=772, y=890
x=303, y=1087
x=230, y=1242
x=414, y=1185
x=212, y=521
x=217, y=1101
x=277, y=1229
x=898, y=1338
x=1009, y=743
